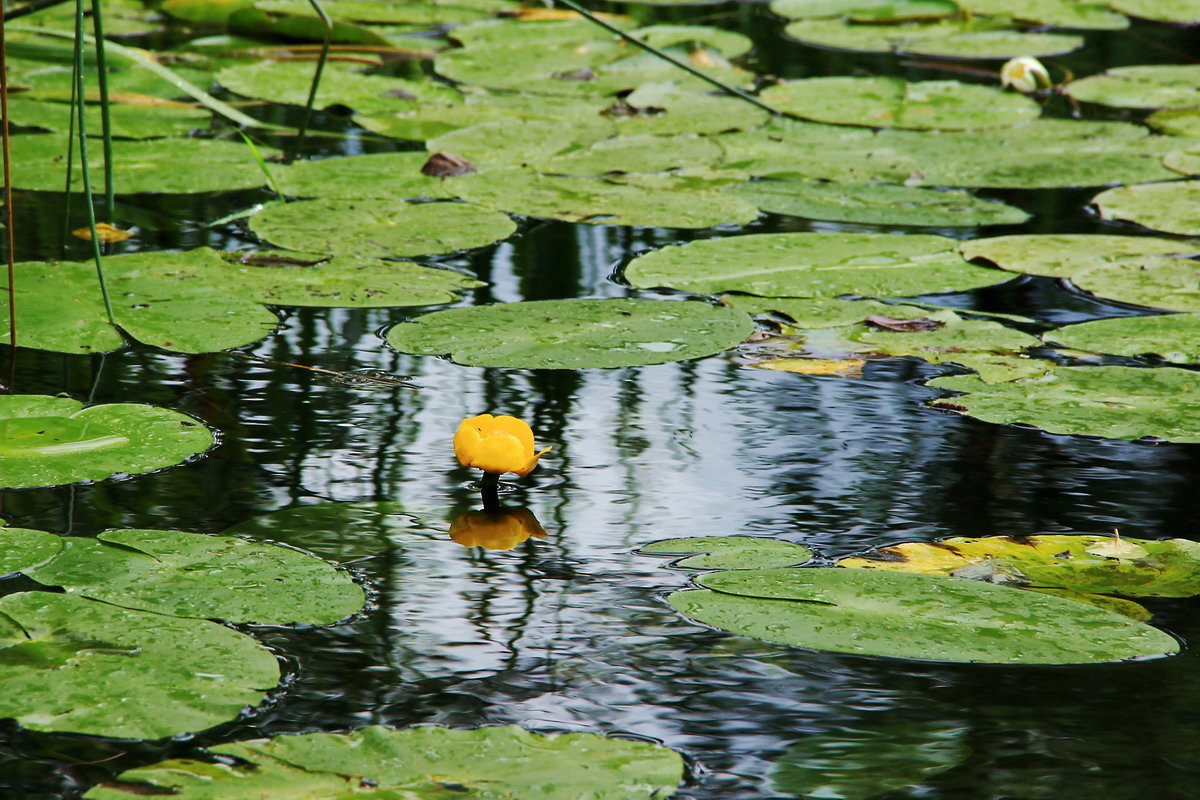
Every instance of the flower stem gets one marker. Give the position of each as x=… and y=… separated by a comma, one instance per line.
x=489, y=490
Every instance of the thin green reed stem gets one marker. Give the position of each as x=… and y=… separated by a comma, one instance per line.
x=688, y=68
x=66, y=226
x=88, y=202
x=10, y=249
x=316, y=81
x=110, y=204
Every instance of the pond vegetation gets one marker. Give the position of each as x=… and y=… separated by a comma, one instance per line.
x=867, y=319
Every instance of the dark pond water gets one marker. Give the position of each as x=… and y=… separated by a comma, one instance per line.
x=572, y=632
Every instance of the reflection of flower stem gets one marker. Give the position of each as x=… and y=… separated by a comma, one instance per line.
x=489, y=490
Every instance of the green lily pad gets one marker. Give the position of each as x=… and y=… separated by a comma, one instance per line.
x=574, y=334
x=205, y=577
x=1176, y=121
x=1185, y=162
x=380, y=228
x=729, y=44
x=1173, y=207
x=515, y=142
x=1174, y=337
x=293, y=279
x=876, y=204
x=905, y=615
x=601, y=202
x=337, y=531
x=174, y=166
x=945, y=39
x=73, y=665
x=881, y=10
x=731, y=552
x=1083, y=14
x=1183, y=12
x=1158, y=86
x=381, y=175
x=1113, y=402
x=385, y=13
x=1169, y=568
x=128, y=121
x=1064, y=255
x=499, y=763
x=1153, y=281
x=863, y=761
x=812, y=265
x=644, y=153
x=50, y=441
x=22, y=548
x=894, y=103
x=664, y=109
x=290, y=82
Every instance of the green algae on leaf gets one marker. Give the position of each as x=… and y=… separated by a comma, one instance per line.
x=23, y=548
x=73, y=665
x=206, y=577
x=173, y=166
x=730, y=552
x=601, y=202
x=1173, y=337
x=1173, y=207
x=905, y=615
x=499, y=763
x=574, y=334
x=50, y=441
x=878, y=204
x=1112, y=402
x=812, y=265
x=1157, y=86
x=862, y=761
x=894, y=103
x=1167, y=568
x=338, y=531
x=380, y=228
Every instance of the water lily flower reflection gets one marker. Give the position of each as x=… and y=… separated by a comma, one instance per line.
x=496, y=445
x=498, y=530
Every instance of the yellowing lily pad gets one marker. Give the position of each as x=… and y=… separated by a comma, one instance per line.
x=574, y=334
x=1080, y=563
x=894, y=103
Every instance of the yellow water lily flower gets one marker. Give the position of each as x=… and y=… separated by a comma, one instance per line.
x=496, y=445
x=500, y=530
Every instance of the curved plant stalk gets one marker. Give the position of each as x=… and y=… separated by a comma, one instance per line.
x=10, y=248
x=316, y=81
x=688, y=68
x=262, y=165
x=77, y=80
x=105, y=118
x=145, y=60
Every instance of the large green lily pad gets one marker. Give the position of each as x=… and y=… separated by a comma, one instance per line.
x=380, y=228
x=945, y=39
x=574, y=334
x=497, y=763
x=603, y=202
x=876, y=204
x=894, y=103
x=1169, y=568
x=1174, y=337
x=206, y=577
x=1065, y=255
x=881, y=10
x=731, y=552
x=1158, y=86
x=812, y=265
x=1154, y=281
x=22, y=548
x=1184, y=12
x=290, y=81
x=1080, y=14
x=867, y=760
x=642, y=153
x=74, y=665
x=905, y=615
x=1113, y=402
x=1176, y=121
x=381, y=175
x=520, y=141
x=175, y=166
x=128, y=121
x=49, y=441
x=1173, y=207
x=666, y=109
x=337, y=531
